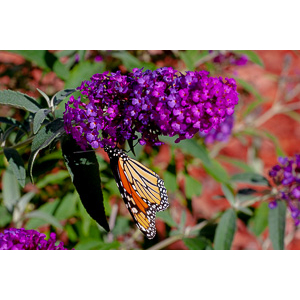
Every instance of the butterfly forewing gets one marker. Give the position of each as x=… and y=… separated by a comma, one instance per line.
x=142, y=190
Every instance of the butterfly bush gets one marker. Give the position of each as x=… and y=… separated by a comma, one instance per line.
x=21, y=239
x=286, y=176
x=115, y=108
x=231, y=58
x=222, y=133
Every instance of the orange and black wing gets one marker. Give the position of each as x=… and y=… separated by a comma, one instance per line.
x=142, y=190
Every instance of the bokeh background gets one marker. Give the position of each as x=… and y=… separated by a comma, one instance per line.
x=257, y=139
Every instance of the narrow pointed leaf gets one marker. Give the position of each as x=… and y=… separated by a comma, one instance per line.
x=16, y=164
x=277, y=225
x=195, y=243
x=19, y=100
x=13, y=122
x=39, y=118
x=43, y=139
x=39, y=214
x=225, y=231
x=84, y=170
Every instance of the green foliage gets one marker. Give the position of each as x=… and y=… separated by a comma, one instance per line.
x=277, y=225
x=225, y=231
x=68, y=198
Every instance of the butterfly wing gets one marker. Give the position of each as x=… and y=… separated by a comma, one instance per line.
x=142, y=190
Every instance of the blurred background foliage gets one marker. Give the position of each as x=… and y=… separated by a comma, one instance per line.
x=216, y=191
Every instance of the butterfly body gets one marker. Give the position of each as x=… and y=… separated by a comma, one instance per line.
x=142, y=190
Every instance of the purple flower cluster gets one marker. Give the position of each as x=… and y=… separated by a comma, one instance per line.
x=21, y=239
x=222, y=133
x=118, y=107
x=231, y=58
x=286, y=175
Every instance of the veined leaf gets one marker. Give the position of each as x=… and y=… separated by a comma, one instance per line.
x=60, y=96
x=39, y=118
x=225, y=231
x=19, y=100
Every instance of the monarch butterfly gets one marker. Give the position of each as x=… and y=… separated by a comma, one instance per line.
x=142, y=190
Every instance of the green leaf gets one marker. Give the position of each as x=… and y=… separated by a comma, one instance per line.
x=45, y=96
x=43, y=139
x=130, y=62
x=39, y=118
x=191, y=57
x=97, y=245
x=170, y=181
x=84, y=170
x=216, y=171
x=225, y=231
x=192, y=187
x=5, y=217
x=236, y=162
x=252, y=178
x=122, y=226
x=277, y=225
x=253, y=56
x=67, y=207
x=44, y=216
x=60, y=96
x=16, y=164
x=83, y=71
x=45, y=60
x=53, y=178
x=259, y=222
x=195, y=243
x=18, y=100
x=167, y=218
x=13, y=122
x=229, y=193
x=11, y=190
x=245, y=210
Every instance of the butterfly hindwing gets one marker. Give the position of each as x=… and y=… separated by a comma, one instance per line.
x=142, y=190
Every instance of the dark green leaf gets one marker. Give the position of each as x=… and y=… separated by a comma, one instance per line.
x=254, y=57
x=39, y=118
x=252, y=178
x=84, y=170
x=11, y=190
x=277, y=225
x=195, y=243
x=192, y=187
x=16, y=164
x=18, y=100
x=259, y=222
x=60, y=96
x=225, y=231
x=216, y=171
x=83, y=71
x=43, y=139
x=46, y=217
x=13, y=122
